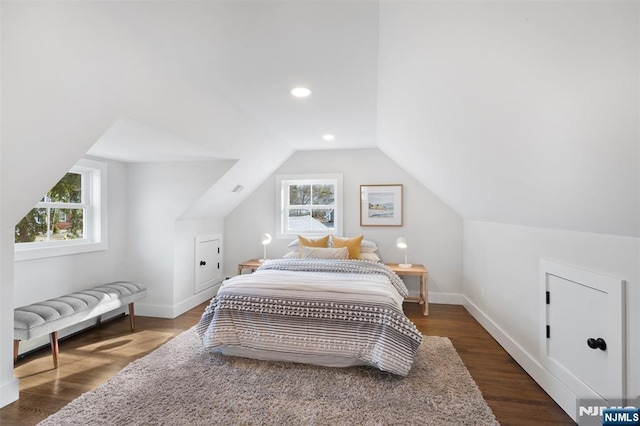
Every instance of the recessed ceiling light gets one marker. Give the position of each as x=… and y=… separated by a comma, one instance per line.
x=328, y=137
x=300, y=92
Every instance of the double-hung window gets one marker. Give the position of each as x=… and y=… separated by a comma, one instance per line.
x=69, y=218
x=309, y=204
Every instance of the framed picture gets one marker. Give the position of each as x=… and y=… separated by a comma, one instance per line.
x=380, y=205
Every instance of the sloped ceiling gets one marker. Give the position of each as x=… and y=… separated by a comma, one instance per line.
x=516, y=112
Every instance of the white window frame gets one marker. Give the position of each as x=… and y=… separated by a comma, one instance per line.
x=282, y=182
x=94, y=202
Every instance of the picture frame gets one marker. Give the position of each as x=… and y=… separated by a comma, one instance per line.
x=381, y=205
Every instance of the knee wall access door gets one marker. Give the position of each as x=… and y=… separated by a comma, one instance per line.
x=582, y=336
x=208, y=257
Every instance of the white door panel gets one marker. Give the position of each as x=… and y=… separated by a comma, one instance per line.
x=577, y=313
x=208, y=271
x=583, y=305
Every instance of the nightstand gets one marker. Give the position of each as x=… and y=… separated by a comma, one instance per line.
x=419, y=271
x=251, y=265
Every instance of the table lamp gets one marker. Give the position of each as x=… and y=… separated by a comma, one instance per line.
x=401, y=242
x=266, y=239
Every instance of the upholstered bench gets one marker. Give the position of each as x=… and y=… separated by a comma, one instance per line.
x=52, y=315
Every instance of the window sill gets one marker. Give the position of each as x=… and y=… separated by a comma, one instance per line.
x=32, y=253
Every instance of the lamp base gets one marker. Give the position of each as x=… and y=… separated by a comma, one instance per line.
x=405, y=265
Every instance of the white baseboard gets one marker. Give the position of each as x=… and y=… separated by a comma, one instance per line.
x=195, y=300
x=171, y=311
x=551, y=385
x=9, y=392
x=446, y=298
x=153, y=310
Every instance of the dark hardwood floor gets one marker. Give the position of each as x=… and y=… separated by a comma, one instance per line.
x=95, y=355
x=514, y=397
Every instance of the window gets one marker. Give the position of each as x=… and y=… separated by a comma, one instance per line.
x=309, y=205
x=69, y=219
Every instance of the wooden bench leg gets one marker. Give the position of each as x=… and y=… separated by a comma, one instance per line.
x=132, y=319
x=53, y=337
x=16, y=346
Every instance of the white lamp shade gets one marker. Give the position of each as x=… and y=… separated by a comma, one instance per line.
x=266, y=239
x=401, y=242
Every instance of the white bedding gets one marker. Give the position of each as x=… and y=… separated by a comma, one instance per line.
x=319, y=282
x=334, y=313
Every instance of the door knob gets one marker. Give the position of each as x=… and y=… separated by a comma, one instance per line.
x=598, y=343
x=202, y=263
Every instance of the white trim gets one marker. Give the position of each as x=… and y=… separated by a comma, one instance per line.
x=280, y=198
x=195, y=300
x=172, y=311
x=154, y=310
x=96, y=216
x=555, y=388
x=9, y=392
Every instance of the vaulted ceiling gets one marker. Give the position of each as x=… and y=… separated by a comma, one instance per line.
x=515, y=112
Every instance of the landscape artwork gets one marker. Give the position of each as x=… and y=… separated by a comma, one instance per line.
x=381, y=205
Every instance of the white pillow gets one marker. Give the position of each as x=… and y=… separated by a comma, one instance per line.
x=294, y=244
x=291, y=254
x=369, y=257
x=368, y=246
x=323, y=253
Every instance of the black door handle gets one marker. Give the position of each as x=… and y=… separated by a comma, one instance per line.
x=598, y=343
x=202, y=263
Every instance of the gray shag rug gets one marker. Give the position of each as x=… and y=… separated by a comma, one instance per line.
x=180, y=383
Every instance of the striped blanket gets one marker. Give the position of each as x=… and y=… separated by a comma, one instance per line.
x=335, y=313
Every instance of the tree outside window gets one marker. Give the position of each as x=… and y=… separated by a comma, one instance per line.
x=70, y=218
x=310, y=205
x=59, y=215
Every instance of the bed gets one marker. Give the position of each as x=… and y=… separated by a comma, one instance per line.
x=328, y=312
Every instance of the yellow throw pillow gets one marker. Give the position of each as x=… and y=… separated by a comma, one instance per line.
x=352, y=244
x=313, y=242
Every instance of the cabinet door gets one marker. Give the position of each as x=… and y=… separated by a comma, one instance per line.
x=580, y=308
x=208, y=262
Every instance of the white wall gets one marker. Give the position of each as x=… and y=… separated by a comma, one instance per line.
x=184, y=262
x=8, y=384
x=159, y=193
x=501, y=283
x=520, y=112
x=433, y=230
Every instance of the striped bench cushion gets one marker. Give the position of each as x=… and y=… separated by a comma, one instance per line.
x=43, y=318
